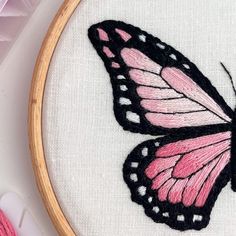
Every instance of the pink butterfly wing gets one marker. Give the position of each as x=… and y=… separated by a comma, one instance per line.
x=158, y=93
x=171, y=98
x=185, y=171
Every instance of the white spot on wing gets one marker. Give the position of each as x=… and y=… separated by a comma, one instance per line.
x=180, y=217
x=145, y=151
x=120, y=77
x=142, y=190
x=150, y=199
x=124, y=101
x=186, y=66
x=123, y=88
x=197, y=218
x=165, y=214
x=157, y=144
x=134, y=177
x=161, y=46
x=133, y=117
x=173, y=56
x=142, y=38
x=134, y=164
x=155, y=209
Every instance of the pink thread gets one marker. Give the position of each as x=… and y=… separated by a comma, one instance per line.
x=185, y=171
x=164, y=189
x=169, y=106
x=188, y=145
x=136, y=59
x=102, y=35
x=124, y=35
x=195, y=160
x=6, y=228
x=108, y=52
x=161, y=178
x=156, y=93
x=208, y=185
x=188, y=119
x=147, y=78
x=176, y=192
x=195, y=182
x=186, y=86
x=115, y=65
x=160, y=164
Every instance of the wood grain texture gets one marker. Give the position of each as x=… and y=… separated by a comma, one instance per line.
x=35, y=117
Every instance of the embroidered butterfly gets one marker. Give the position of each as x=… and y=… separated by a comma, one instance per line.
x=158, y=91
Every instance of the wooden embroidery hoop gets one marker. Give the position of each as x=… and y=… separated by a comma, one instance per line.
x=35, y=117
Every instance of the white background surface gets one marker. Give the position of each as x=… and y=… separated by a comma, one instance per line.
x=15, y=77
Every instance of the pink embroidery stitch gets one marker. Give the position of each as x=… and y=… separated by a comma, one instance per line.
x=188, y=145
x=205, y=191
x=176, y=192
x=124, y=35
x=156, y=93
x=164, y=189
x=174, y=163
x=102, y=35
x=195, y=182
x=147, y=78
x=108, y=52
x=115, y=65
x=177, y=120
x=195, y=160
x=160, y=179
x=169, y=106
x=160, y=164
x=191, y=90
x=136, y=59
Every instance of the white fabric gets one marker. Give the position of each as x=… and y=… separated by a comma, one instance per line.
x=85, y=146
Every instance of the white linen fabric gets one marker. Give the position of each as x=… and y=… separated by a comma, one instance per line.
x=84, y=145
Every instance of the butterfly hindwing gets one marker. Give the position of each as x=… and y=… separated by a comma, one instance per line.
x=173, y=191
x=156, y=89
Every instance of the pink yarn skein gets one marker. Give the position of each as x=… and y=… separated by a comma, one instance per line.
x=6, y=228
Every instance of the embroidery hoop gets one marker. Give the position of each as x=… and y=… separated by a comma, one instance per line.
x=35, y=117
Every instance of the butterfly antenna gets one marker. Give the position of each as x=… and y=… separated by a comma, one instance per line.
x=230, y=77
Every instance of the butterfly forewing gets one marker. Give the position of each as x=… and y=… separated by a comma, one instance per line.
x=156, y=89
